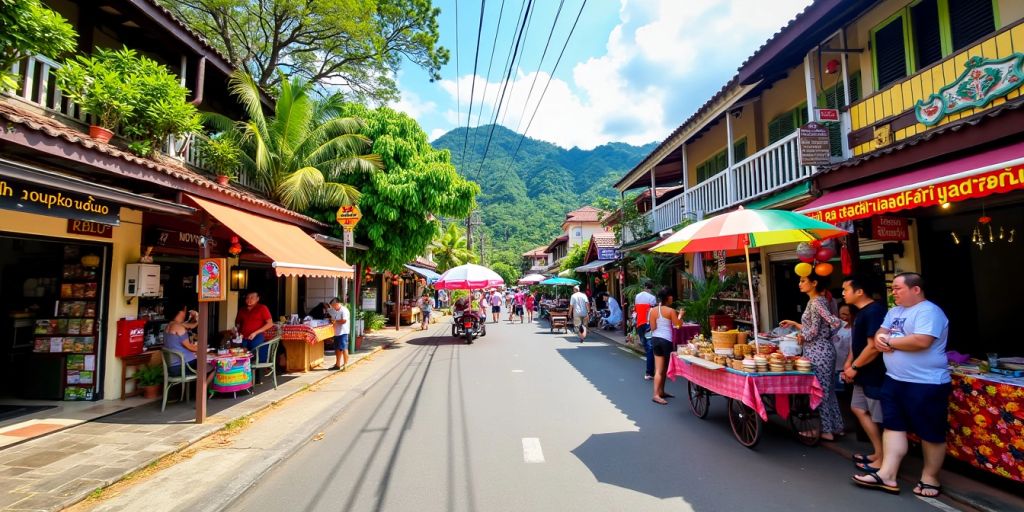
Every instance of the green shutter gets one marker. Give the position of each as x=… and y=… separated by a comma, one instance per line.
x=855, y=87
x=739, y=150
x=970, y=20
x=924, y=18
x=890, y=51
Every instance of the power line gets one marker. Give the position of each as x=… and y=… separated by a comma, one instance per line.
x=529, y=22
x=487, y=82
x=472, y=89
x=458, y=92
x=540, y=64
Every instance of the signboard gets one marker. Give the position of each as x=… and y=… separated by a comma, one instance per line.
x=815, y=148
x=213, y=279
x=181, y=239
x=348, y=217
x=999, y=181
x=348, y=238
x=827, y=114
x=369, y=299
x=85, y=227
x=40, y=200
x=889, y=228
x=607, y=254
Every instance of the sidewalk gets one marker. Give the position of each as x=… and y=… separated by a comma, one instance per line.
x=958, y=487
x=61, y=469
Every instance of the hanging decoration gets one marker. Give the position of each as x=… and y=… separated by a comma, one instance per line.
x=984, y=233
x=236, y=247
x=814, y=256
x=845, y=259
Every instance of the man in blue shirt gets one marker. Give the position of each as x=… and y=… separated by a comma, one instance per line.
x=915, y=391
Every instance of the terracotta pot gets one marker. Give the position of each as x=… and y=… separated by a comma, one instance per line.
x=100, y=133
x=223, y=180
x=151, y=391
x=359, y=342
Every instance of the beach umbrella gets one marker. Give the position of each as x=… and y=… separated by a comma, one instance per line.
x=532, y=279
x=743, y=229
x=468, y=276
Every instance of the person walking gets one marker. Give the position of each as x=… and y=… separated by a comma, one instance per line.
x=495, y=301
x=518, y=301
x=816, y=328
x=916, y=388
x=580, y=306
x=642, y=304
x=426, y=308
x=531, y=303
x=339, y=317
x=865, y=370
x=508, y=304
x=662, y=318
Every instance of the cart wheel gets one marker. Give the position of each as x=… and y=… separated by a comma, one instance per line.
x=700, y=400
x=805, y=422
x=746, y=424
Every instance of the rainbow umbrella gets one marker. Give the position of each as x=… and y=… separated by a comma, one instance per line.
x=743, y=229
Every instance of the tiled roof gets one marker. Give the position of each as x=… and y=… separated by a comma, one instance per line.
x=604, y=240
x=420, y=261
x=536, y=251
x=168, y=166
x=554, y=243
x=584, y=214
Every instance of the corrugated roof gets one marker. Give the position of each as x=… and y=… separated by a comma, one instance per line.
x=556, y=242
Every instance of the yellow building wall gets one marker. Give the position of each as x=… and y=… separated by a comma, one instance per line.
x=124, y=249
x=713, y=141
x=785, y=95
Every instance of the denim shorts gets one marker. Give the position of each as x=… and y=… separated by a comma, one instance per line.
x=919, y=408
x=341, y=342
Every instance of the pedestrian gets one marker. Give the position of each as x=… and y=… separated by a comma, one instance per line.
x=662, y=318
x=426, y=308
x=816, y=326
x=495, y=301
x=339, y=317
x=442, y=298
x=866, y=370
x=841, y=340
x=252, y=322
x=642, y=304
x=580, y=305
x=531, y=302
x=518, y=301
x=508, y=304
x=916, y=387
x=614, y=312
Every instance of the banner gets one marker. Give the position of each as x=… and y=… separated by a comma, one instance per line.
x=30, y=198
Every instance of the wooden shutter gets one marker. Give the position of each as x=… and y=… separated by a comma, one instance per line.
x=855, y=87
x=927, y=41
x=781, y=126
x=890, y=53
x=739, y=150
x=969, y=21
x=721, y=162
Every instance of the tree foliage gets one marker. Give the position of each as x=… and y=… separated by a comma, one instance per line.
x=507, y=272
x=357, y=45
x=28, y=28
x=401, y=204
x=450, y=249
x=574, y=258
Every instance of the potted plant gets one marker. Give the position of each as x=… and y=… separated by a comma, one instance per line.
x=98, y=89
x=150, y=379
x=221, y=154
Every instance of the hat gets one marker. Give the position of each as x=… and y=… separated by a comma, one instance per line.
x=576, y=288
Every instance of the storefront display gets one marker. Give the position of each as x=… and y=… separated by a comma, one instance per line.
x=986, y=423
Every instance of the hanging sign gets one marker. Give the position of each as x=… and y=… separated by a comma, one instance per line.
x=348, y=217
x=213, y=279
x=826, y=114
x=348, y=238
x=999, y=181
x=815, y=148
x=181, y=239
x=889, y=229
x=89, y=228
x=369, y=299
x=37, y=199
x=607, y=254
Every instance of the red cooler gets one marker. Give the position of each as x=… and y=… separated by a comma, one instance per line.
x=130, y=337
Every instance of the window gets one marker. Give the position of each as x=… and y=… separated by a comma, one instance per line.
x=578, y=233
x=924, y=33
x=720, y=161
x=833, y=98
x=786, y=123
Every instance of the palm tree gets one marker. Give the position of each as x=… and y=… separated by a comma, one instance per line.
x=297, y=156
x=451, y=249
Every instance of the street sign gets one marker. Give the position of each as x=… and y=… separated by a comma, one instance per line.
x=815, y=148
x=348, y=217
x=827, y=114
x=348, y=237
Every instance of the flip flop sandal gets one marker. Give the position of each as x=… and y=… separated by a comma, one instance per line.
x=659, y=403
x=921, y=487
x=667, y=395
x=865, y=467
x=860, y=458
x=878, y=484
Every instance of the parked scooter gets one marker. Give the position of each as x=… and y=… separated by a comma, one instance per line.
x=468, y=325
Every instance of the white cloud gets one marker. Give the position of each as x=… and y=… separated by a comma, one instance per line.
x=435, y=133
x=412, y=104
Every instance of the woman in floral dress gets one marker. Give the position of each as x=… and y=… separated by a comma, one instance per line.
x=817, y=326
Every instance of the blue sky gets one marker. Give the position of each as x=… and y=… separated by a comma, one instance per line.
x=632, y=71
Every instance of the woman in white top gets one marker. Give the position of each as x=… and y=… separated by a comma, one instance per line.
x=662, y=318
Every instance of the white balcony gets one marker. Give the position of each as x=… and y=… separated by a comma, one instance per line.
x=773, y=168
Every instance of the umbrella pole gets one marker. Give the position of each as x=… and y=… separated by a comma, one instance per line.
x=750, y=288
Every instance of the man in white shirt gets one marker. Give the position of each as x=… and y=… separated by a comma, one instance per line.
x=642, y=304
x=580, y=306
x=495, y=301
x=339, y=317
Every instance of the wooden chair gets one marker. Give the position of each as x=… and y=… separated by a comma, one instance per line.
x=181, y=376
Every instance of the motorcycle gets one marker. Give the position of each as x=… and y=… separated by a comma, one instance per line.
x=468, y=325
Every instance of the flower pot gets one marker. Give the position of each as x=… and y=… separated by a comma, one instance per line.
x=151, y=391
x=100, y=133
x=223, y=180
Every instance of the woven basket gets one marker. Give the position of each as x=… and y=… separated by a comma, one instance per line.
x=723, y=340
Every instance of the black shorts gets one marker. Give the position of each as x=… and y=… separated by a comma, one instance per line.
x=518, y=310
x=495, y=309
x=661, y=347
x=922, y=409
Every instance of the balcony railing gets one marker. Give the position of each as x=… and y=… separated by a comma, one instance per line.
x=773, y=168
x=668, y=214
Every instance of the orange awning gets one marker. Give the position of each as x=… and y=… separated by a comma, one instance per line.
x=293, y=252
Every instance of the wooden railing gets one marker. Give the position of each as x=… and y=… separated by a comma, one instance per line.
x=668, y=214
x=709, y=195
x=774, y=167
x=37, y=84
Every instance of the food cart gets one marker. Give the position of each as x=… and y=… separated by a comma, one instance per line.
x=304, y=344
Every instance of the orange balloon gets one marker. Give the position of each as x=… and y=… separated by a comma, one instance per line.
x=823, y=269
x=803, y=269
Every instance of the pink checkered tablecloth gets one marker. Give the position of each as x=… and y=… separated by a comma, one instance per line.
x=749, y=388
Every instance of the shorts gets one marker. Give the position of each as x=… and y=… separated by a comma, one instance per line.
x=918, y=408
x=341, y=342
x=864, y=403
x=518, y=310
x=495, y=309
x=661, y=347
x=578, y=320
x=426, y=315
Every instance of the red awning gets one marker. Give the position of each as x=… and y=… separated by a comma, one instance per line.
x=992, y=172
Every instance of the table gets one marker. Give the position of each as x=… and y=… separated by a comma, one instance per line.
x=747, y=393
x=304, y=346
x=684, y=333
x=231, y=373
x=559, y=319
x=142, y=359
x=986, y=423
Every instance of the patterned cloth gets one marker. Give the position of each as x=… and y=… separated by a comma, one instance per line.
x=819, y=324
x=986, y=424
x=749, y=388
x=311, y=335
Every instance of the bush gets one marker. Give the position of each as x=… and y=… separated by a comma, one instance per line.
x=372, y=321
x=28, y=28
x=221, y=154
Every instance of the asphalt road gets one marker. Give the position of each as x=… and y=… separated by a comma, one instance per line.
x=528, y=420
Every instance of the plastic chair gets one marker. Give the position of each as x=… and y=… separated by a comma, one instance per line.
x=169, y=357
x=259, y=363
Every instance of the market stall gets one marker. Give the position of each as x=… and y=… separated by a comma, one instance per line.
x=304, y=344
x=986, y=422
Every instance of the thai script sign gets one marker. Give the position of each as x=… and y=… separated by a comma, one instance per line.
x=815, y=148
x=826, y=114
x=889, y=229
x=348, y=217
x=607, y=254
x=30, y=198
x=999, y=181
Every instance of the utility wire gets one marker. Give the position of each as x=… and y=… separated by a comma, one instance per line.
x=540, y=64
x=487, y=82
x=472, y=89
x=516, y=32
x=512, y=87
x=458, y=92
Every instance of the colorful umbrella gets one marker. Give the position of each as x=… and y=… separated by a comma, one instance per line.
x=555, y=281
x=467, y=277
x=532, y=279
x=743, y=229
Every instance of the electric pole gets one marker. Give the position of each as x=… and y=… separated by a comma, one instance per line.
x=471, y=220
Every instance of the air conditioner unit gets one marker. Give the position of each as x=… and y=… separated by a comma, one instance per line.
x=142, y=280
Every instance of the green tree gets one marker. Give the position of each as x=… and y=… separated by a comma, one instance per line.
x=574, y=258
x=299, y=156
x=358, y=45
x=507, y=272
x=450, y=249
x=401, y=204
x=28, y=28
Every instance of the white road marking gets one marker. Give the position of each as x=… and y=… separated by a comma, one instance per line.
x=936, y=503
x=517, y=371
x=532, y=453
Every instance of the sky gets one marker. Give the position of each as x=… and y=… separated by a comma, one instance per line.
x=632, y=71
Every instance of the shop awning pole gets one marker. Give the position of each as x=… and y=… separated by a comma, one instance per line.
x=204, y=320
x=750, y=287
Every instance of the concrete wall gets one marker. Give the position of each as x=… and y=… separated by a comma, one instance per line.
x=587, y=229
x=320, y=289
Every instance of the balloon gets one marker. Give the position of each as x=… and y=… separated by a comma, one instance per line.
x=824, y=254
x=806, y=259
x=823, y=269
x=805, y=252
x=816, y=244
x=803, y=269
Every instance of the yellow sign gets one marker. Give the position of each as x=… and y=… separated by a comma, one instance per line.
x=348, y=217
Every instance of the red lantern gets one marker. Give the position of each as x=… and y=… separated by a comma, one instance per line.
x=236, y=248
x=605, y=276
x=832, y=67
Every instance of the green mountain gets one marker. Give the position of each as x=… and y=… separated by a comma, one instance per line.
x=524, y=199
